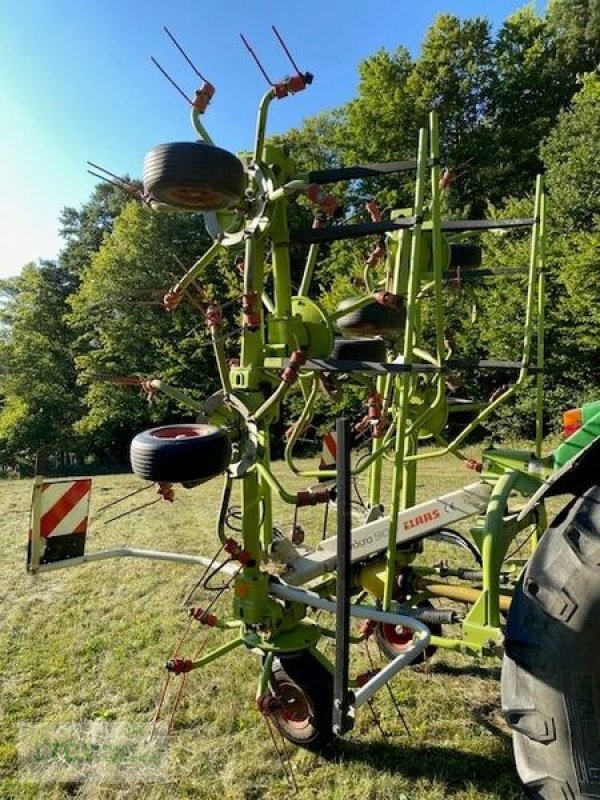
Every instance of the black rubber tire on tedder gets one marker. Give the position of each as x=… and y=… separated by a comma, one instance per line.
x=194, y=176
x=303, y=690
x=181, y=453
x=359, y=350
x=373, y=319
x=551, y=671
x=465, y=255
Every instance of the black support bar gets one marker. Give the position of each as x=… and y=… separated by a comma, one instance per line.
x=462, y=225
x=342, y=715
x=382, y=368
x=375, y=367
x=334, y=233
x=367, y=171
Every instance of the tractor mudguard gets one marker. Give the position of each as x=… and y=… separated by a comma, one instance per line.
x=575, y=477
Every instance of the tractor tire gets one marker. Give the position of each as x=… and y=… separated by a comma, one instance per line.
x=551, y=671
x=189, y=454
x=465, y=255
x=194, y=176
x=359, y=350
x=303, y=690
x=373, y=319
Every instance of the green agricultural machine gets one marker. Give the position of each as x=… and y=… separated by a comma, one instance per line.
x=388, y=344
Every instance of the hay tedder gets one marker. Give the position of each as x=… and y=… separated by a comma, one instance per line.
x=388, y=343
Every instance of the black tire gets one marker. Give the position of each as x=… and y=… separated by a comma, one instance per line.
x=392, y=642
x=194, y=175
x=373, y=319
x=182, y=453
x=551, y=671
x=303, y=690
x=359, y=350
x=465, y=255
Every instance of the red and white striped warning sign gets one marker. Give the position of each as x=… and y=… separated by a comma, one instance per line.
x=65, y=506
x=329, y=451
x=59, y=521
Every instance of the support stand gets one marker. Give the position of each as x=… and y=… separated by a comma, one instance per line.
x=343, y=712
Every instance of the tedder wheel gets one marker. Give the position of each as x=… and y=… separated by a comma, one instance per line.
x=194, y=176
x=465, y=255
x=359, y=350
x=551, y=671
x=373, y=319
x=182, y=453
x=303, y=690
x=394, y=639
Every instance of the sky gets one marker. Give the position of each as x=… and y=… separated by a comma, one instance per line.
x=77, y=84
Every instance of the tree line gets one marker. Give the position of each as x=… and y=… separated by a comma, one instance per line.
x=512, y=103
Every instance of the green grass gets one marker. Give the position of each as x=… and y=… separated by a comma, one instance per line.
x=89, y=643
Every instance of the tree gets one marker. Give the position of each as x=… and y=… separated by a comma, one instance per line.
x=454, y=75
x=576, y=25
x=533, y=82
x=572, y=159
x=123, y=331
x=39, y=378
x=84, y=229
x=573, y=176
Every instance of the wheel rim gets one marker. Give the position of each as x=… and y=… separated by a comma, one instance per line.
x=295, y=710
x=397, y=636
x=195, y=197
x=180, y=432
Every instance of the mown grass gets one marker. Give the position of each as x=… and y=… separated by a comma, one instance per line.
x=89, y=643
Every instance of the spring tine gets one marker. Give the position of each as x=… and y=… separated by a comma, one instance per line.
x=282, y=752
x=160, y=703
x=464, y=163
x=255, y=57
x=118, y=185
x=190, y=594
x=285, y=49
x=280, y=755
x=184, y=54
x=191, y=299
x=131, y=511
x=376, y=718
x=396, y=705
x=176, y=703
x=125, y=497
x=171, y=81
x=124, y=181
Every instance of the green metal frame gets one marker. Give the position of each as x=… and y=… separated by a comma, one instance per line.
x=254, y=389
x=289, y=323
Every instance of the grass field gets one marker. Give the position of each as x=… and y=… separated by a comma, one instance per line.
x=89, y=643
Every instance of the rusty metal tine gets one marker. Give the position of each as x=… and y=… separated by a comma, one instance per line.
x=184, y=54
x=285, y=49
x=255, y=57
x=170, y=79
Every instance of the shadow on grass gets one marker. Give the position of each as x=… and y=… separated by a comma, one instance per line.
x=462, y=670
x=455, y=769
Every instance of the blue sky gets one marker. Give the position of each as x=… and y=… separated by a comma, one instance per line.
x=76, y=83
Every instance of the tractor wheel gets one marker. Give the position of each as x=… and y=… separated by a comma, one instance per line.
x=180, y=453
x=394, y=639
x=359, y=350
x=303, y=690
x=373, y=319
x=551, y=671
x=465, y=255
x=194, y=176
